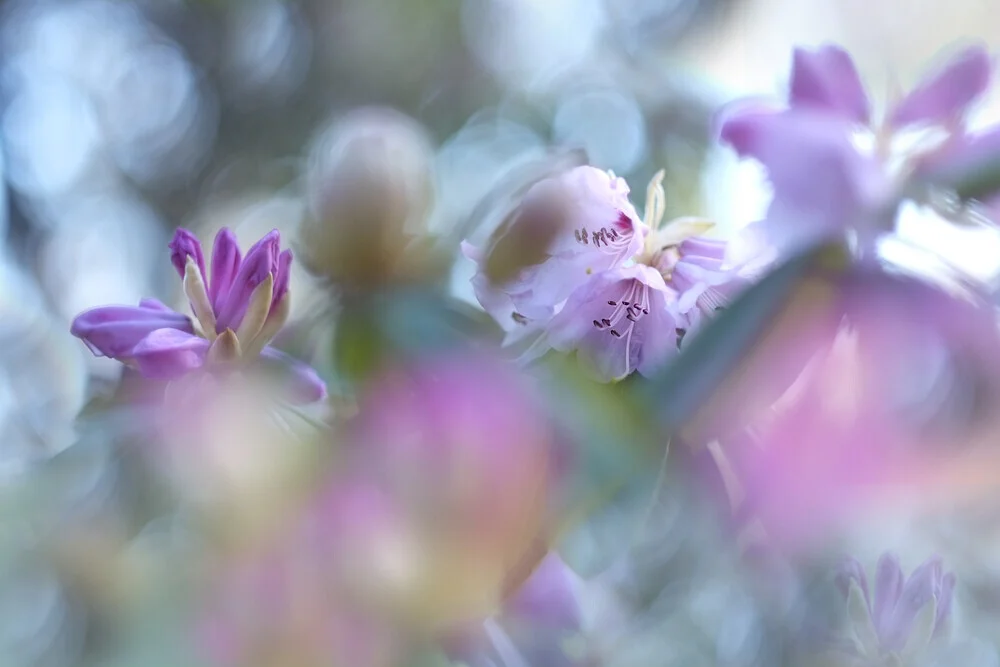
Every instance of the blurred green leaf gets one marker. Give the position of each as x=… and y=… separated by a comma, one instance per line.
x=416, y=320
x=981, y=182
x=358, y=348
x=401, y=323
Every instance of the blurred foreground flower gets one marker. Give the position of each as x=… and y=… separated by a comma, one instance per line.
x=534, y=627
x=895, y=623
x=833, y=171
x=614, y=289
x=432, y=519
x=458, y=444
x=867, y=388
x=236, y=450
x=278, y=607
x=237, y=312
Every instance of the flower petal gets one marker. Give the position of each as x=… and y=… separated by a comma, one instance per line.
x=826, y=79
x=167, y=354
x=156, y=304
x=701, y=247
x=946, y=94
x=852, y=571
x=920, y=589
x=113, y=331
x=962, y=159
x=945, y=597
x=600, y=323
x=598, y=229
x=303, y=383
x=225, y=264
x=185, y=244
x=281, y=278
x=497, y=303
x=861, y=620
x=888, y=587
x=261, y=261
x=822, y=184
x=547, y=598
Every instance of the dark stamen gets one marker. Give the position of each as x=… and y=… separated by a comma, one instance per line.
x=615, y=334
x=612, y=303
x=598, y=324
x=606, y=322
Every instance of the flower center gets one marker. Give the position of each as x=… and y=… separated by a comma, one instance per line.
x=632, y=307
x=257, y=327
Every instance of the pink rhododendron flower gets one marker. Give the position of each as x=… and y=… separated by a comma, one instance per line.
x=238, y=308
x=621, y=305
x=618, y=321
x=825, y=182
x=602, y=231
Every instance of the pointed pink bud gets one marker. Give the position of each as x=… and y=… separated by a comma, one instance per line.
x=225, y=264
x=184, y=245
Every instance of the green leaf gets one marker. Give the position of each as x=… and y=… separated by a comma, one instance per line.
x=415, y=320
x=358, y=347
x=981, y=182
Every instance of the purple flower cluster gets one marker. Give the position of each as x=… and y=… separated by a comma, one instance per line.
x=902, y=615
x=239, y=305
x=836, y=169
x=613, y=288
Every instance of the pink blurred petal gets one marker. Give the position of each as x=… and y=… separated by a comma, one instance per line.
x=822, y=184
x=962, y=158
x=459, y=439
x=943, y=96
x=548, y=598
x=921, y=588
x=826, y=79
x=888, y=588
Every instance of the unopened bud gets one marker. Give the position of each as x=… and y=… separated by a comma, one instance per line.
x=370, y=188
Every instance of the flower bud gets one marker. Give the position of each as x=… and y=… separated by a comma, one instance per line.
x=370, y=188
